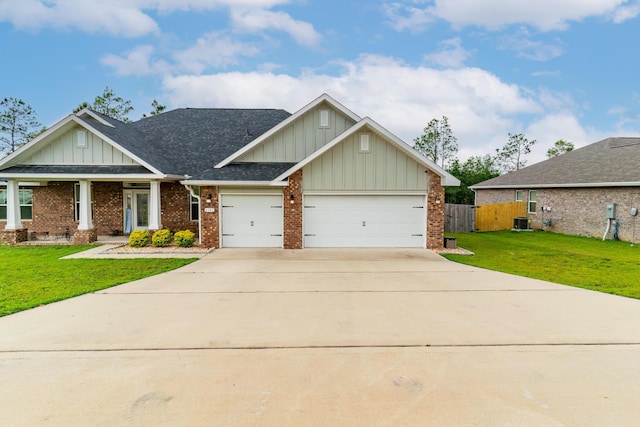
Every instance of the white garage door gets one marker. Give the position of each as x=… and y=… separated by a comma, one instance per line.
x=364, y=221
x=251, y=221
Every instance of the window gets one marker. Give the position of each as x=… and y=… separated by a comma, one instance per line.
x=25, y=198
x=76, y=197
x=3, y=205
x=195, y=209
x=519, y=195
x=324, y=118
x=532, y=201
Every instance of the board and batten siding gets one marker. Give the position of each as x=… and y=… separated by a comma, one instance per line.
x=64, y=150
x=345, y=168
x=301, y=138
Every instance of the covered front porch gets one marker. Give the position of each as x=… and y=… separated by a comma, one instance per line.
x=85, y=211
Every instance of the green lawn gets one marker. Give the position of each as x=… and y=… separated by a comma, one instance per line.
x=32, y=276
x=609, y=266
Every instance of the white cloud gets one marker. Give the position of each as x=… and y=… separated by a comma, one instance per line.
x=118, y=18
x=136, y=62
x=481, y=108
x=451, y=54
x=407, y=17
x=213, y=50
x=545, y=15
x=256, y=20
x=522, y=43
x=551, y=127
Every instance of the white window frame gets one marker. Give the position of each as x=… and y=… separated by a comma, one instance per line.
x=76, y=201
x=23, y=204
x=521, y=194
x=532, y=202
x=364, y=143
x=194, y=207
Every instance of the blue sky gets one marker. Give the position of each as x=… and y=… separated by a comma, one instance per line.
x=551, y=70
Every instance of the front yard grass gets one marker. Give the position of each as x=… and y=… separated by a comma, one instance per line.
x=606, y=266
x=32, y=276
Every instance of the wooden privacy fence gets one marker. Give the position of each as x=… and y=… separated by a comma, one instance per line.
x=499, y=216
x=459, y=218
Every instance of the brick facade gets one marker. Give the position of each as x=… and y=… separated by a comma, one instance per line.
x=435, y=212
x=13, y=237
x=293, y=212
x=108, y=208
x=210, y=220
x=175, y=203
x=576, y=211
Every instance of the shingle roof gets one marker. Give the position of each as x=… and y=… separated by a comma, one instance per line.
x=242, y=172
x=605, y=163
x=189, y=141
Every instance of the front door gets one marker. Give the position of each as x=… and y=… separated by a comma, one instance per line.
x=136, y=210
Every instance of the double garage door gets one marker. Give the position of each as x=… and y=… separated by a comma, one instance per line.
x=328, y=221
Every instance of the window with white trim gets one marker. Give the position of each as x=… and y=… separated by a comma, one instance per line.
x=532, y=201
x=25, y=198
x=365, y=143
x=76, y=199
x=195, y=209
x=519, y=195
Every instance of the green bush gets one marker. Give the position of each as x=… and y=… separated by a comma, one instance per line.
x=161, y=238
x=139, y=238
x=184, y=239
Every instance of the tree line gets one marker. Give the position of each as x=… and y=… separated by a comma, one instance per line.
x=438, y=144
x=19, y=123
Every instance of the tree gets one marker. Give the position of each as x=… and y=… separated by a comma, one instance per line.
x=511, y=156
x=110, y=105
x=560, y=147
x=157, y=109
x=437, y=142
x=18, y=124
x=476, y=169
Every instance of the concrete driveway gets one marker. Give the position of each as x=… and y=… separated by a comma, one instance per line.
x=325, y=338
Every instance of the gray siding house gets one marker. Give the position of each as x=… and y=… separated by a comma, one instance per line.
x=571, y=193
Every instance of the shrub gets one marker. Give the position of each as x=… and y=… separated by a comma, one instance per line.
x=184, y=239
x=139, y=238
x=161, y=238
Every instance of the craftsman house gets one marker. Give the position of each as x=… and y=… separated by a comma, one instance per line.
x=582, y=192
x=322, y=177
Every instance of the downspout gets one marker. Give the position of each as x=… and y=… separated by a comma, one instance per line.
x=193, y=194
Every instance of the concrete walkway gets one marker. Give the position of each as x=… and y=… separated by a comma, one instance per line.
x=326, y=338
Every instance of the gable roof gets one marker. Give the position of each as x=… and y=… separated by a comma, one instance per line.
x=263, y=137
x=607, y=163
x=367, y=122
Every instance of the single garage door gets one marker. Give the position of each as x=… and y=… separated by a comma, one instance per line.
x=251, y=221
x=364, y=221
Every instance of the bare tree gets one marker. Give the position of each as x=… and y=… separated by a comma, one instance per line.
x=437, y=142
x=511, y=157
x=18, y=124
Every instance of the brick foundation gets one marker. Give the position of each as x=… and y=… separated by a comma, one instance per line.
x=435, y=212
x=85, y=237
x=210, y=220
x=293, y=212
x=13, y=237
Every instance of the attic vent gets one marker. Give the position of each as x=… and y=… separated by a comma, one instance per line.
x=365, y=146
x=81, y=139
x=324, y=118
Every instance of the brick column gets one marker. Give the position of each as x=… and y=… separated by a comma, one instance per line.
x=210, y=220
x=435, y=212
x=293, y=212
x=13, y=237
x=85, y=237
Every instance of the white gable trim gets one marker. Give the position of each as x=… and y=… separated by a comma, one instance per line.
x=259, y=140
x=41, y=139
x=446, y=178
x=91, y=113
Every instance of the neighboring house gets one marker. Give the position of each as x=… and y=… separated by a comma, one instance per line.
x=322, y=177
x=569, y=194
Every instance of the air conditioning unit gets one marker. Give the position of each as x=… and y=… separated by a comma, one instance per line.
x=521, y=223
